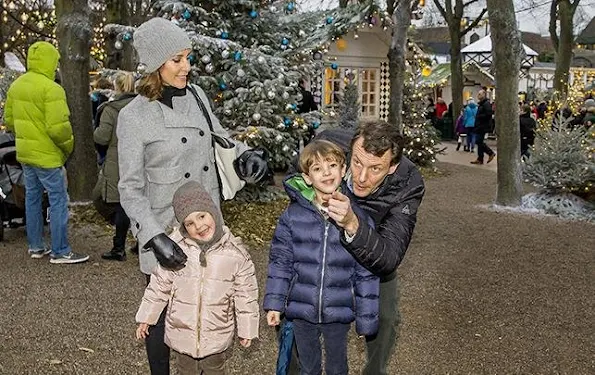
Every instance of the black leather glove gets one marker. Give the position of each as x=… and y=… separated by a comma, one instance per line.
x=168, y=253
x=252, y=166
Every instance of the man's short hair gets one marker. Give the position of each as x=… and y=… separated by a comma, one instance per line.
x=378, y=138
x=318, y=150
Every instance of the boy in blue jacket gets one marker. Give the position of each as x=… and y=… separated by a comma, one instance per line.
x=312, y=279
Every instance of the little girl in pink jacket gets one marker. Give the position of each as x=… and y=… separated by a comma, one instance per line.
x=215, y=290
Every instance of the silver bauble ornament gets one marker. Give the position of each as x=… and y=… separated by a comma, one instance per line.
x=299, y=97
x=302, y=33
x=285, y=95
x=241, y=73
x=261, y=60
x=281, y=126
x=227, y=112
x=285, y=148
x=210, y=68
x=118, y=44
x=205, y=59
x=257, y=90
x=141, y=68
x=280, y=76
x=225, y=54
x=271, y=95
x=279, y=138
x=256, y=117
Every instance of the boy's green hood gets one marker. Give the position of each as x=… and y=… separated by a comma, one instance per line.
x=43, y=58
x=296, y=184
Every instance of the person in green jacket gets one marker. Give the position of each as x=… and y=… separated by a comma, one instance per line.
x=37, y=112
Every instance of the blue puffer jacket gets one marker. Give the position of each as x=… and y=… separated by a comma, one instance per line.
x=311, y=275
x=469, y=115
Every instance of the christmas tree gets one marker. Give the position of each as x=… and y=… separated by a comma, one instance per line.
x=249, y=57
x=349, y=107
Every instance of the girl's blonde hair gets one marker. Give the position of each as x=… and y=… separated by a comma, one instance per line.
x=151, y=86
x=124, y=82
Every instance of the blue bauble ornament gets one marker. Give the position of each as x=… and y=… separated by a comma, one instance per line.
x=293, y=106
x=329, y=20
x=237, y=56
x=334, y=66
x=316, y=124
x=224, y=35
x=285, y=41
x=186, y=14
x=127, y=36
x=291, y=6
x=192, y=59
x=253, y=14
x=287, y=121
x=223, y=86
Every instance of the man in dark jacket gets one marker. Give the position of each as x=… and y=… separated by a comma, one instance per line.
x=483, y=120
x=307, y=104
x=527, y=128
x=390, y=189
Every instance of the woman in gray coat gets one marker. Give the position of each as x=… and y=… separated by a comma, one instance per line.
x=164, y=141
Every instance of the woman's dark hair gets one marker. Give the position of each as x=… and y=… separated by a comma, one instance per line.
x=151, y=86
x=379, y=137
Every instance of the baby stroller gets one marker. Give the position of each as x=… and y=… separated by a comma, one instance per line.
x=12, y=186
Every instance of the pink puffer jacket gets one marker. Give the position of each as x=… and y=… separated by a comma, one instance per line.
x=204, y=303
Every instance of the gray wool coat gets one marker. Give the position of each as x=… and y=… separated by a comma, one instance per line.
x=159, y=149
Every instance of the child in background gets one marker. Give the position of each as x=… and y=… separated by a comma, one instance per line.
x=460, y=130
x=312, y=279
x=216, y=288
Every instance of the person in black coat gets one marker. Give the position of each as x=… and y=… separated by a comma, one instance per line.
x=483, y=123
x=528, y=126
x=307, y=104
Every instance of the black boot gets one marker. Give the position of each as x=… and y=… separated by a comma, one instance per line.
x=115, y=254
x=458, y=146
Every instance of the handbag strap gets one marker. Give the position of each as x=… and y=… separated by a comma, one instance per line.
x=202, y=106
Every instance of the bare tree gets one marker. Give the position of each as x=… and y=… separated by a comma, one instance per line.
x=562, y=11
x=401, y=15
x=507, y=54
x=74, y=31
x=453, y=17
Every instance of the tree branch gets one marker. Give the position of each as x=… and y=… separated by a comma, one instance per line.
x=475, y=22
x=469, y=3
x=552, y=28
x=25, y=25
x=574, y=6
x=442, y=10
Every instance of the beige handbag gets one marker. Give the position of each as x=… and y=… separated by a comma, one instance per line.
x=225, y=157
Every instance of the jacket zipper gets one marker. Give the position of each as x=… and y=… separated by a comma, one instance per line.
x=326, y=224
x=202, y=274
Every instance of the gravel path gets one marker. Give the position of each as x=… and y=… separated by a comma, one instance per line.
x=482, y=293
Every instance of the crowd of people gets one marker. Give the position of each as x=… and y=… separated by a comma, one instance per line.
x=335, y=251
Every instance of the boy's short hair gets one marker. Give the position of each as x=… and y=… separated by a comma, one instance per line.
x=320, y=150
x=379, y=137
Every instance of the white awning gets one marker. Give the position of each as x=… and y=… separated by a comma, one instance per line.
x=485, y=45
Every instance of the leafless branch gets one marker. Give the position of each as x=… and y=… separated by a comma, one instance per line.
x=475, y=22
x=553, y=18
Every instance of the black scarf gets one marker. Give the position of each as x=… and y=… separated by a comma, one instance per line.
x=168, y=93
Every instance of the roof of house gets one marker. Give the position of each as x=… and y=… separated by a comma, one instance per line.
x=587, y=36
x=485, y=45
x=436, y=48
x=537, y=42
x=441, y=72
x=431, y=35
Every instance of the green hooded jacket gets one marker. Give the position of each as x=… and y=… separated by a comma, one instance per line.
x=37, y=113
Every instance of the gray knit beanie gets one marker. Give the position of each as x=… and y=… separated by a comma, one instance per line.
x=157, y=40
x=192, y=197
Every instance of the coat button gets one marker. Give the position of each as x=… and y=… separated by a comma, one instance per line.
x=137, y=226
x=184, y=140
x=187, y=175
x=201, y=133
x=205, y=168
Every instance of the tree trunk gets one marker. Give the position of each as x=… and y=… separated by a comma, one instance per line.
x=456, y=70
x=74, y=31
x=507, y=51
x=119, y=12
x=564, y=48
x=396, y=62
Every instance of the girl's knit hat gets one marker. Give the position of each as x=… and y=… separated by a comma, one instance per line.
x=192, y=197
x=157, y=40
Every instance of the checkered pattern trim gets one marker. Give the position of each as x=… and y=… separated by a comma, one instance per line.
x=384, y=94
x=316, y=85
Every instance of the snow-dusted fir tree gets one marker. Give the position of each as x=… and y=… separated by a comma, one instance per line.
x=249, y=57
x=421, y=138
x=349, y=107
x=7, y=77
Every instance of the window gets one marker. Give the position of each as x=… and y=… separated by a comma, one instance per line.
x=367, y=81
x=473, y=38
x=369, y=92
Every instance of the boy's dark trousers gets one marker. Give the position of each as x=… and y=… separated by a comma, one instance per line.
x=307, y=338
x=157, y=351
x=381, y=346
